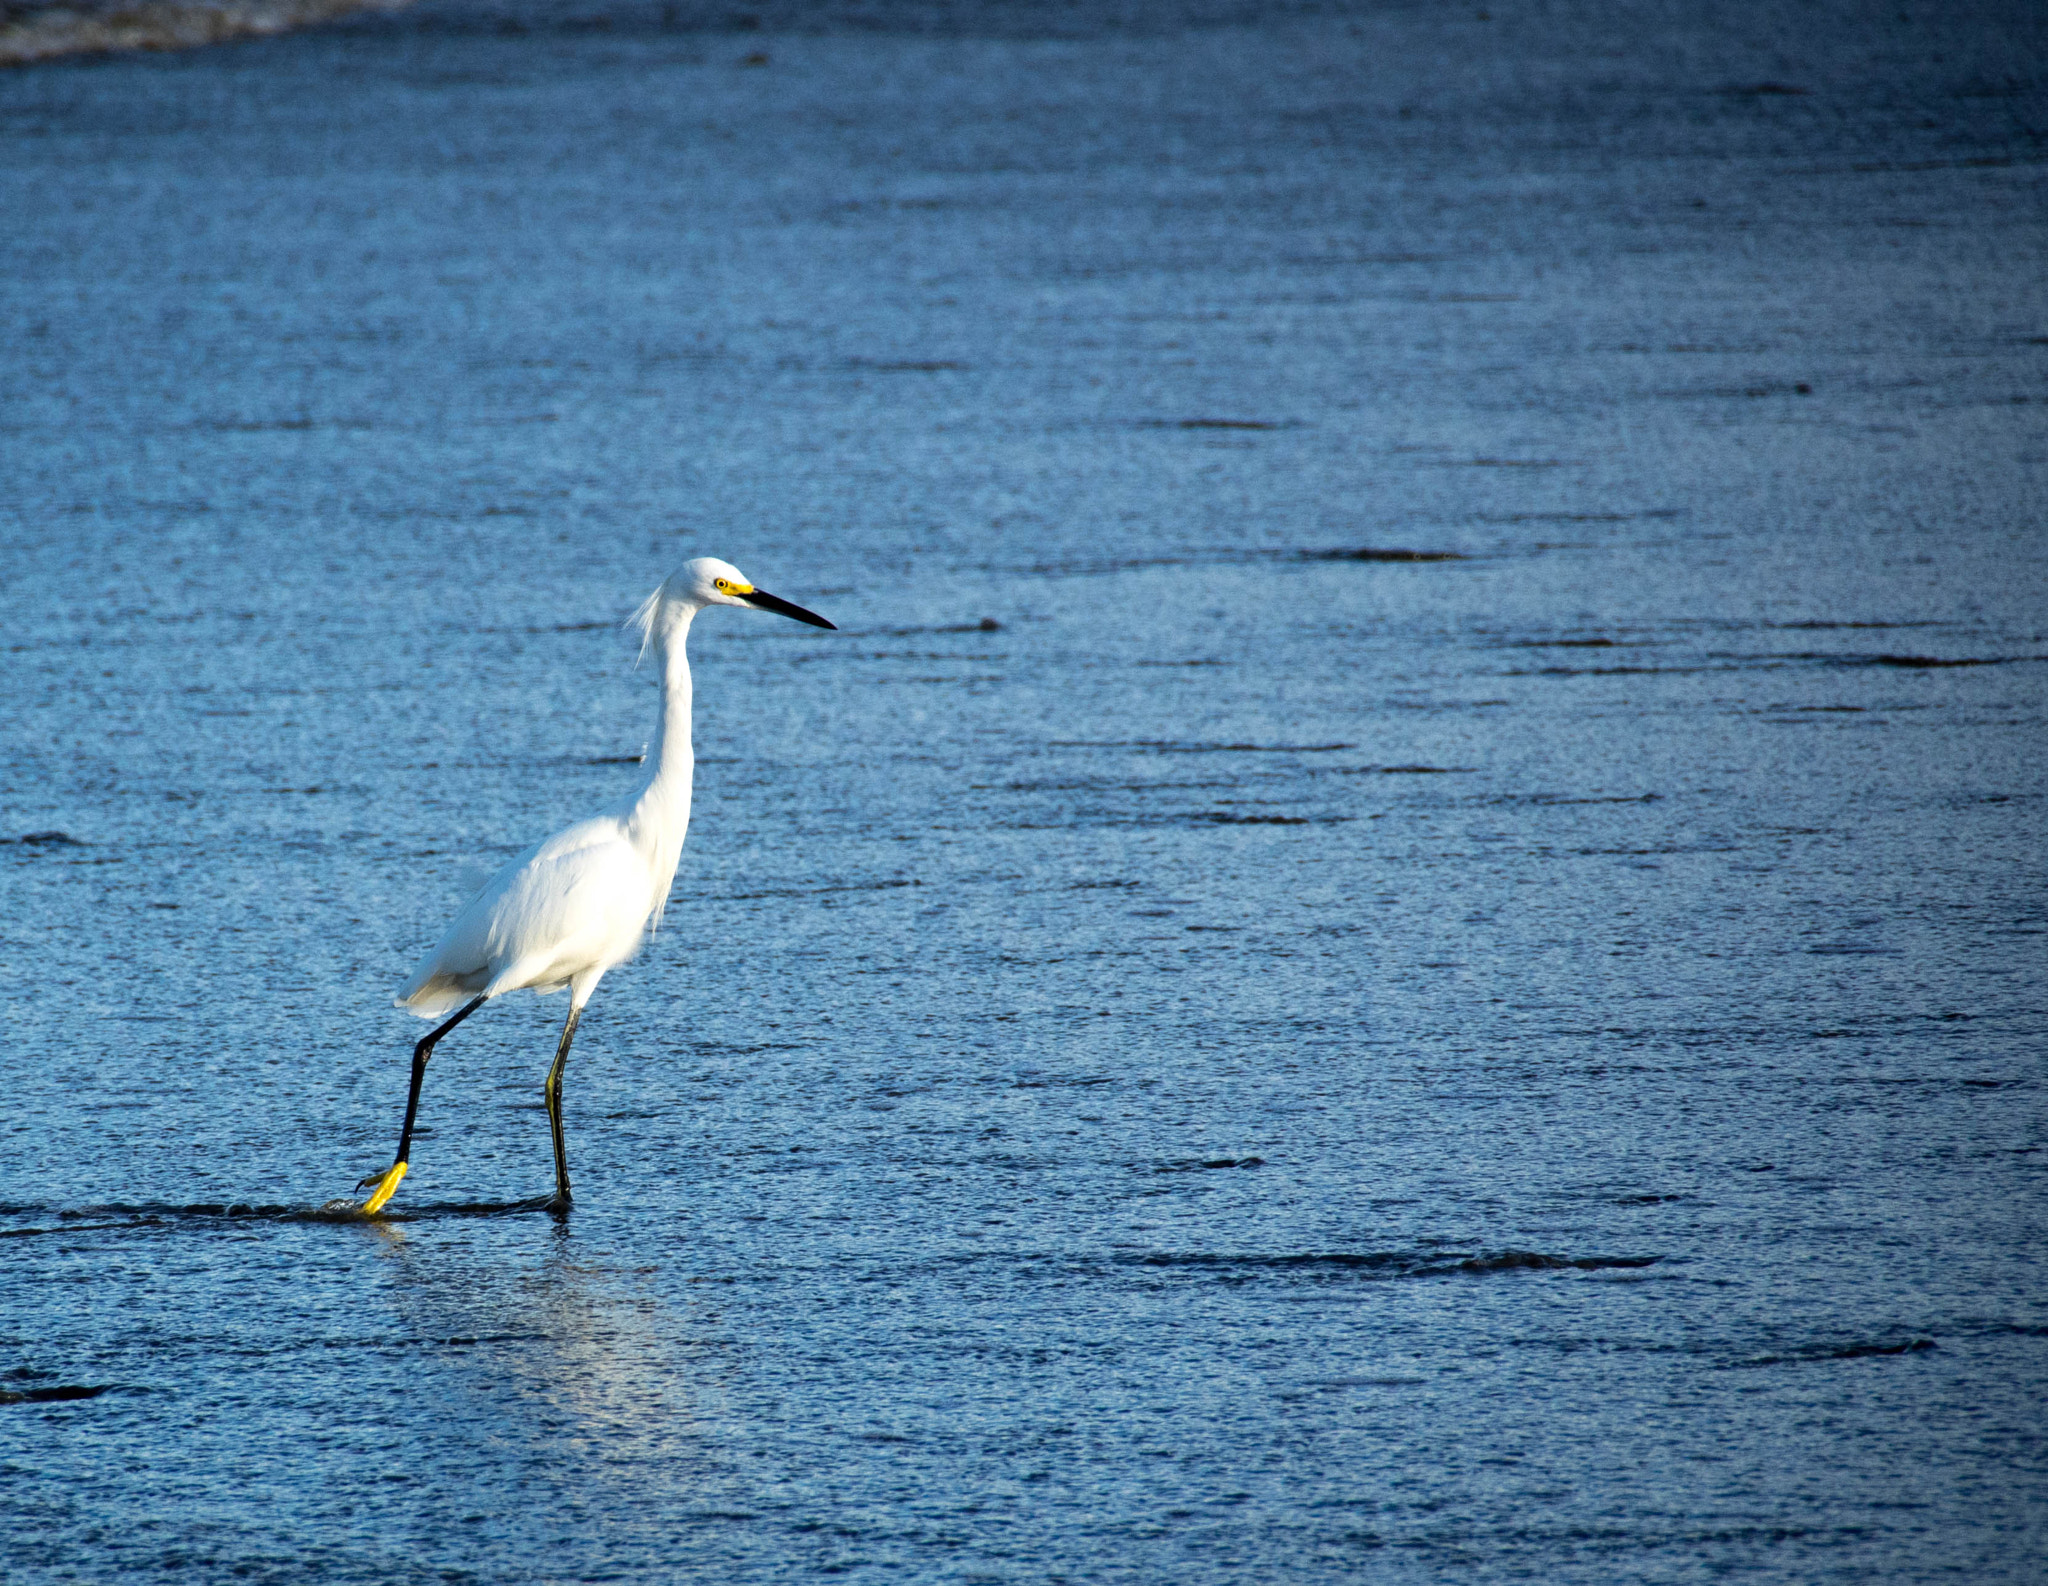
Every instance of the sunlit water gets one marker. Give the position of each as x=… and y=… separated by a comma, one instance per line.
x=1176, y=1056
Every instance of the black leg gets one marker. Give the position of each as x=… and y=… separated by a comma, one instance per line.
x=420, y=1054
x=552, y=1093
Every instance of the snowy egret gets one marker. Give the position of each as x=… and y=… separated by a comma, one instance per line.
x=572, y=907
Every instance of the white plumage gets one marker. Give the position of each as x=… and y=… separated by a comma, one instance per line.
x=574, y=906
x=561, y=914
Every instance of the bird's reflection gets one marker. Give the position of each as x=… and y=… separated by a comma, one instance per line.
x=568, y=1354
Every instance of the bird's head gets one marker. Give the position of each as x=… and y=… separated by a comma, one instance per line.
x=706, y=581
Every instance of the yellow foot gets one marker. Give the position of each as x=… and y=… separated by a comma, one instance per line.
x=382, y=1187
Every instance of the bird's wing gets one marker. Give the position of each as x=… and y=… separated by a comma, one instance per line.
x=573, y=902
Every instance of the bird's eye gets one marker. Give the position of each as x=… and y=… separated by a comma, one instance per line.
x=722, y=584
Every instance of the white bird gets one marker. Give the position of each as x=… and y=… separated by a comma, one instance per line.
x=572, y=907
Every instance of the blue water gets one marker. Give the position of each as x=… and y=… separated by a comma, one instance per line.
x=1178, y=1054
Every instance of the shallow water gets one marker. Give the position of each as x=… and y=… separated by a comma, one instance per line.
x=1177, y=1054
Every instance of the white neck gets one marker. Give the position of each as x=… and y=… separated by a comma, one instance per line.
x=660, y=815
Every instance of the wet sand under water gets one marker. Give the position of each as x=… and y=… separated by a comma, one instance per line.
x=1402, y=936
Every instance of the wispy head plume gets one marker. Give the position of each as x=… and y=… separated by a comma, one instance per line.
x=642, y=621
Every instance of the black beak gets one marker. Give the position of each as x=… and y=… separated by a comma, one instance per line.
x=768, y=602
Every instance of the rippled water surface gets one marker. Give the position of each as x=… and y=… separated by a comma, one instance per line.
x=1188, y=1047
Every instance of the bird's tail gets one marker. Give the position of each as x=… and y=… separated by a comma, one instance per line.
x=430, y=994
